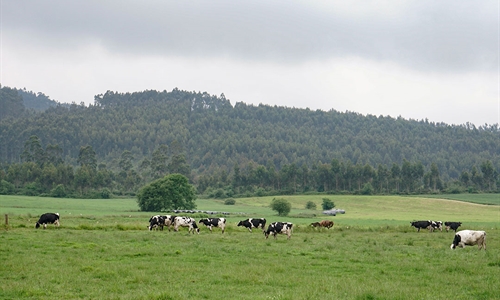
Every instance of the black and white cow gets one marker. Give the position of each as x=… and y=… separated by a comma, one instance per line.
x=469, y=238
x=159, y=221
x=422, y=224
x=48, y=218
x=436, y=225
x=279, y=228
x=452, y=225
x=156, y=222
x=186, y=222
x=214, y=222
x=253, y=223
x=168, y=220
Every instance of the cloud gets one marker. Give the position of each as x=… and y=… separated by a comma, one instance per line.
x=437, y=35
x=418, y=59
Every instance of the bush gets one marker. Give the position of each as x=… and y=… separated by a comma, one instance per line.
x=282, y=206
x=310, y=205
x=105, y=193
x=327, y=204
x=367, y=189
x=230, y=201
x=59, y=191
x=6, y=188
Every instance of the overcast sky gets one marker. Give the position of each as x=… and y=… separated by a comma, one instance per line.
x=416, y=59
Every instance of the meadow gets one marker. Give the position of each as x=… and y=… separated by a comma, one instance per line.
x=102, y=250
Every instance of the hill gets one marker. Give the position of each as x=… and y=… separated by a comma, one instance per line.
x=211, y=137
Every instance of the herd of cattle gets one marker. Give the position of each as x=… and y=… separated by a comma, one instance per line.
x=462, y=238
x=159, y=221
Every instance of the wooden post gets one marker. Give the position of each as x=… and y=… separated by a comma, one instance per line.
x=6, y=222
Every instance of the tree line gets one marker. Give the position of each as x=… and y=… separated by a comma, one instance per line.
x=43, y=171
x=239, y=149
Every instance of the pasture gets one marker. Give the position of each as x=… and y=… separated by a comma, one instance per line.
x=104, y=251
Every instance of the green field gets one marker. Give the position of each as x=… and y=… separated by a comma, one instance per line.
x=493, y=199
x=104, y=251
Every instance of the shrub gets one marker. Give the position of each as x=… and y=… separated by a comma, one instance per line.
x=282, y=206
x=105, y=193
x=230, y=201
x=327, y=204
x=367, y=189
x=310, y=205
x=6, y=188
x=59, y=191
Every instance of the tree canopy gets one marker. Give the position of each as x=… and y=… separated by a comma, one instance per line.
x=168, y=193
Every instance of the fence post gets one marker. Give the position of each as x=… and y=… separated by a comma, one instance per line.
x=6, y=221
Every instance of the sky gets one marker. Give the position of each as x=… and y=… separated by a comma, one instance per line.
x=423, y=59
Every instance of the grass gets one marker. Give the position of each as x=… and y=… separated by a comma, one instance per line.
x=493, y=199
x=371, y=253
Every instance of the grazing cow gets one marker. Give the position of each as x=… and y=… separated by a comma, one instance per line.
x=186, y=222
x=253, y=223
x=436, y=225
x=469, y=238
x=452, y=225
x=325, y=223
x=214, y=222
x=422, y=224
x=168, y=221
x=48, y=218
x=156, y=222
x=160, y=221
x=279, y=227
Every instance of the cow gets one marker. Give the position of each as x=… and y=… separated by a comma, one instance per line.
x=156, y=222
x=159, y=221
x=469, y=238
x=168, y=220
x=436, y=225
x=422, y=224
x=325, y=223
x=214, y=222
x=253, y=223
x=279, y=228
x=186, y=222
x=48, y=218
x=452, y=225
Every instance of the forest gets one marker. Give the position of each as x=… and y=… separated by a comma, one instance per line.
x=125, y=140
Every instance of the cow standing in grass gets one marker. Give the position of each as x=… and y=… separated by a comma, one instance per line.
x=276, y=228
x=452, y=225
x=253, y=223
x=436, y=225
x=156, y=222
x=214, y=222
x=186, y=222
x=325, y=223
x=469, y=238
x=422, y=224
x=48, y=218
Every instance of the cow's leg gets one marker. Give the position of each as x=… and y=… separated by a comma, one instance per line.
x=250, y=229
x=44, y=225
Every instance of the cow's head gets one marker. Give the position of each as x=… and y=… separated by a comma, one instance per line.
x=456, y=241
x=37, y=225
x=240, y=223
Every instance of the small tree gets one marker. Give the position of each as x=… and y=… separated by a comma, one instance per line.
x=282, y=206
x=327, y=204
x=310, y=205
x=170, y=192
